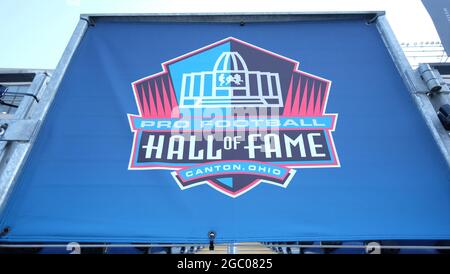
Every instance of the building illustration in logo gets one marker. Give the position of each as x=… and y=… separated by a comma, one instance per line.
x=232, y=115
x=232, y=85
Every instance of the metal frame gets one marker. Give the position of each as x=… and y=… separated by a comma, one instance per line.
x=419, y=91
x=16, y=139
x=14, y=158
x=240, y=17
x=18, y=152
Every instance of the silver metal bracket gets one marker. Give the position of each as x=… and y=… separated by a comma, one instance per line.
x=420, y=87
x=17, y=130
x=432, y=79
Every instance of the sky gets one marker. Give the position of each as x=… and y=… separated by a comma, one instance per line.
x=34, y=33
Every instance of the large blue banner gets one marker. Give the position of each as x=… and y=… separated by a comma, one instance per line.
x=162, y=132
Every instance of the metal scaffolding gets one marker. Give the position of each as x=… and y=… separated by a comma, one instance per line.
x=424, y=52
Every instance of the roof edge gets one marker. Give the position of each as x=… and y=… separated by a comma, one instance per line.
x=233, y=16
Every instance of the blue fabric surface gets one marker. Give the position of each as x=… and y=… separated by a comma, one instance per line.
x=393, y=182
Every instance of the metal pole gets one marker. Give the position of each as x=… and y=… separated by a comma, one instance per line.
x=416, y=87
x=18, y=151
x=231, y=248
